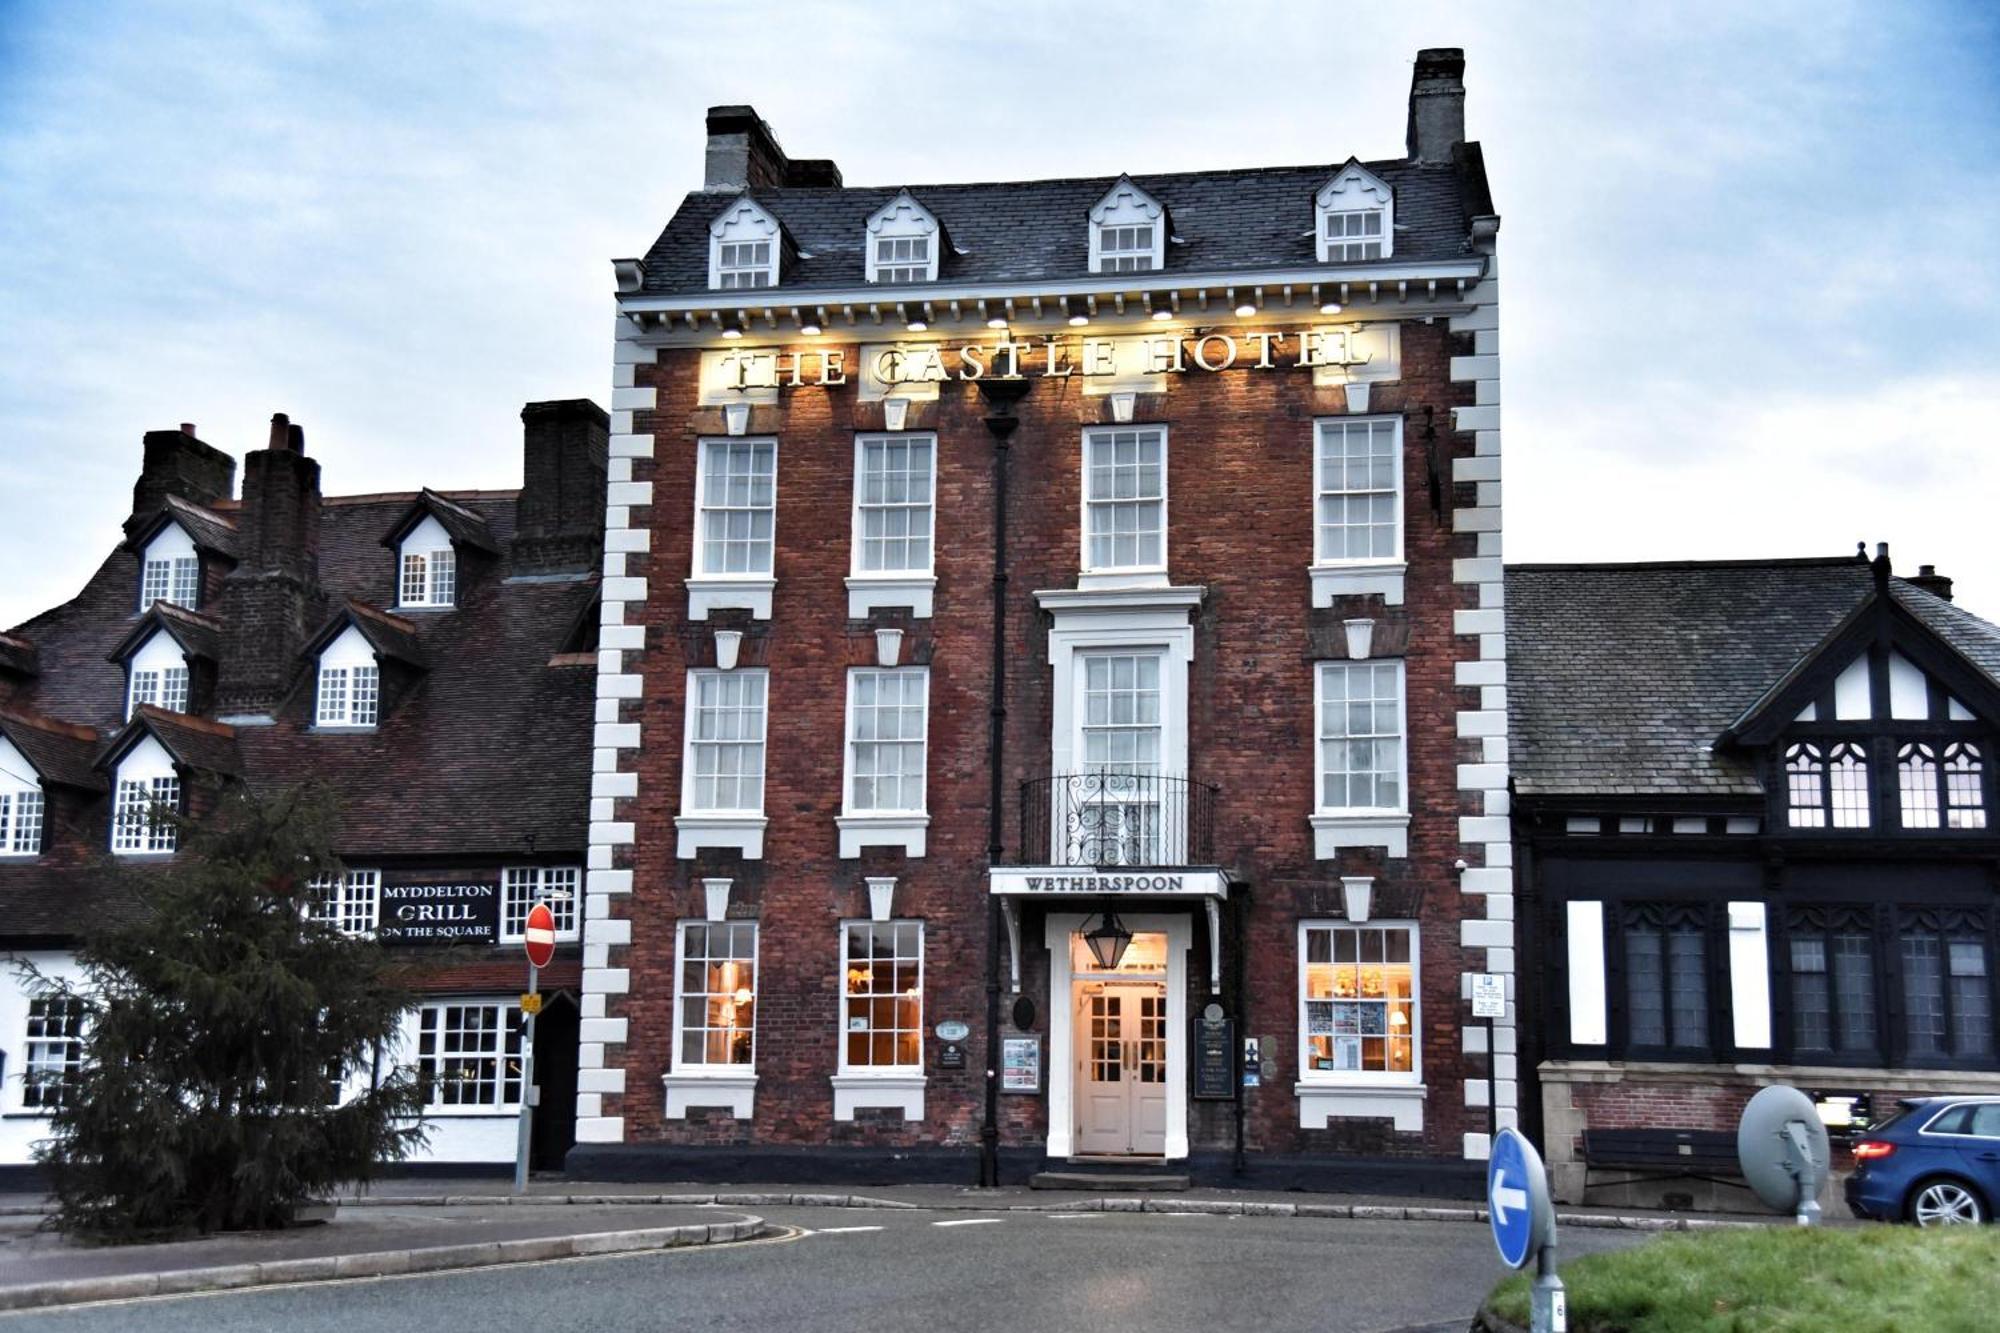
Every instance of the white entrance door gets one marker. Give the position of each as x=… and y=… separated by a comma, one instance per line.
x=1121, y=1075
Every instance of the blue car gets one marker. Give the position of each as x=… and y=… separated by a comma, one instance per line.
x=1935, y=1162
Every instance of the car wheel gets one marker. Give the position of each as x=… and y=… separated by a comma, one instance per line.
x=1941, y=1203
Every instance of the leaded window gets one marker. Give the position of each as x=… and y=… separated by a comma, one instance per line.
x=430, y=578
x=349, y=696
x=1947, y=988
x=1832, y=979
x=161, y=687
x=1826, y=786
x=175, y=579
x=1666, y=977
x=21, y=822
x=143, y=818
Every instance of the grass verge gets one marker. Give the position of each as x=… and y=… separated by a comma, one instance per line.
x=1876, y=1279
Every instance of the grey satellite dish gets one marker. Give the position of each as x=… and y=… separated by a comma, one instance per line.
x=1781, y=1144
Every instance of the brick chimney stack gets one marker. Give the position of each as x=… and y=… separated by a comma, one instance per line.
x=559, y=525
x=1932, y=582
x=177, y=463
x=743, y=154
x=1437, y=105
x=271, y=600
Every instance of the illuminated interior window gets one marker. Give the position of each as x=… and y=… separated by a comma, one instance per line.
x=1358, y=996
x=1146, y=955
x=882, y=1016
x=468, y=1055
x=717, y=994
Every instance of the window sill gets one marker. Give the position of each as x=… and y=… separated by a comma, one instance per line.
x=732, y=1092
x=867, y=593
x=339, y=729
x=1400, y=1103
x=742, y=833
x=1123, y=578
x=895, y=1091
x=899, y=830
x=1383, y=578
x=1331, y=832
x=708, y=593
x=407, y=607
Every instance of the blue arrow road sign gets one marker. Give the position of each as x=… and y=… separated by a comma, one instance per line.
x=1510, y=1191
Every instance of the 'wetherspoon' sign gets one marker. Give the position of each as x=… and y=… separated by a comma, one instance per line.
x=1050, y=358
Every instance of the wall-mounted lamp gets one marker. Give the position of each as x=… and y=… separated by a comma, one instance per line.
x=1329, y=307
x=1245, y=310
x=732, y=327
x=895, y=411
x=810, y=328
x=736, y=417
x=1078, y=311
x=1162, y=306
x=997, y=322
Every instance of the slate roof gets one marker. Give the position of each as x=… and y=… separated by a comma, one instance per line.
x=1223, y=221
x=1621, y=676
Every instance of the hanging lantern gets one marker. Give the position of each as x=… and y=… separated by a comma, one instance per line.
x=1108, y=942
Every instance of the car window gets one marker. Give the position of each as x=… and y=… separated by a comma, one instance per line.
x=1957, y=1120
x=1986, y=1120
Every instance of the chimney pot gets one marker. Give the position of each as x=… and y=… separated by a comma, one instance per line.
x=295, y=439
x=187, y=428
x=281, y=431
x=1932, y=582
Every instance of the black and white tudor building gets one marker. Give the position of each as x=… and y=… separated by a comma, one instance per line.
x=1754, y=812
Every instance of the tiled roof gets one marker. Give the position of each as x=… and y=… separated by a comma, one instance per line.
x=1223, y=221
x=60, y=752
x=194, y=741
x=1621, y=677
x=463, y=525
x=18, y=656
x=197, y=634
x=206, y=528
x=388, y=634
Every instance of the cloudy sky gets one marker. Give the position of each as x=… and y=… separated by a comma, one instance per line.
x=1749, y=254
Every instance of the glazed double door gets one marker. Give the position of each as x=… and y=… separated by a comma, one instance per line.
x=1121, y=1075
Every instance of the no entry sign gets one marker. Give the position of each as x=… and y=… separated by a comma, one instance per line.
x=539, y=935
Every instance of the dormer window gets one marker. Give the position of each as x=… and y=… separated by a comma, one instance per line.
x=429, y=566
x=147, y=797
x=1128, y=231
x=350, y=683
x=170, y=571
x=903, y=242
x=158, y=675
x=21, y=804
x=743, y=247
x=1354, y=217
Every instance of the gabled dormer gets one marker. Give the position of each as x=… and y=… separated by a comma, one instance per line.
x=169, y=659
x=361, y=662
x=1885, y=726
x=431, y=540
x=1354, y=217
x=905, y=242
x=172, y=546
x=1128, y=231
x=40, y=759
x=151, y=765
x=745, y=247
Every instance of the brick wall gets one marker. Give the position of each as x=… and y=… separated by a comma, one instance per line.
x=1240, y=522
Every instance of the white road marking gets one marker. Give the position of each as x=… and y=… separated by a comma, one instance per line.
x=968, y=1222
x=1072, y=1217
x=842, y=1231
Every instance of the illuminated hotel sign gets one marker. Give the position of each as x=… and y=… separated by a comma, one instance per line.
x=1357, y=350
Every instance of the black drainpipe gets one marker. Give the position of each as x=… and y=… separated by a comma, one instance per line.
x=1001, y=395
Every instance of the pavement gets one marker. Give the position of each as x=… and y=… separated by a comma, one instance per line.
x=409, y=1226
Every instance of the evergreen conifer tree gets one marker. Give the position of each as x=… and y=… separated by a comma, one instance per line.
x=220, y=1022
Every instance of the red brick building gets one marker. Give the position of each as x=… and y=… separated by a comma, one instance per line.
x=1051, y=696
x=427, y=656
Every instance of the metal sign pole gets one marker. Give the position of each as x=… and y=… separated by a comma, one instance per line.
x=527, y=1083
x=1548, y=1301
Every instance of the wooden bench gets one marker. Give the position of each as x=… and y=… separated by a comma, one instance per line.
x=1661, y=1154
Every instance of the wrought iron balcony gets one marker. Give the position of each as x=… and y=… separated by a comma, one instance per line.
x=1114, y=818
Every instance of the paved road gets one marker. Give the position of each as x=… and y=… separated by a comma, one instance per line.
x=894, y=1271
